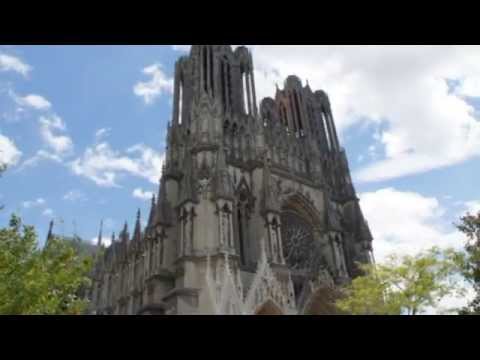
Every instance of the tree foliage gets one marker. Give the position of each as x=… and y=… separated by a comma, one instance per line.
x=402, y=284
x=40, y=281
x=470, y=259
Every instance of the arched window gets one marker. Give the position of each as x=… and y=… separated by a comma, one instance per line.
x=294, y=117
x=180, y=103
x=327, y=133
x=223, y=84
x=246, y=93
x=205, y=69
x=297, y=110
x=269, y=308
x=226, y=83
x=242, y=220
x=212, y=82
x=229, y=84
x=241, y=239
x=283, y=115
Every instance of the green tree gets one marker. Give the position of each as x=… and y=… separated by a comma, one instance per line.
x=402, y=285
x=40, y=281
x=469, y=261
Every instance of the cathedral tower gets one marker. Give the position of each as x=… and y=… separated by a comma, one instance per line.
x=256, y=210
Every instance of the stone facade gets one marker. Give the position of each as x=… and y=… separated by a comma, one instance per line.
x=256, y=211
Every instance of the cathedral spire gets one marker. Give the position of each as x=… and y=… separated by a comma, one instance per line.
x=137, y=233
x=151, y=217
x=114, y=251
x=50, y=232
x=99, y=239
x=163, y=213
x=124, y=237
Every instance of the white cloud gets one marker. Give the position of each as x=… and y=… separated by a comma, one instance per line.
x=141, y=194
x=36, y=102
x=47, y=212
x=449, y=304
x=108, y=225
x=12, y=63
x=60, y=144
x=472, y=207
x=101, y=133
x=406, y=222
x=103, y=165
x=74, y=195
x=150, y=162
x=9, y=154
x=34, y=203
x=106, y=240
x=156, y=86
x=39, y=156
x=183, y=48
x=402, y=87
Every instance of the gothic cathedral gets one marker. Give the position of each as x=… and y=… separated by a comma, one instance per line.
x=256, y=211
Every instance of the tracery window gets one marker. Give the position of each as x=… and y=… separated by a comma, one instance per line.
x=180, y=103
x=298, y=241
x=243, y=219
x=226, y=83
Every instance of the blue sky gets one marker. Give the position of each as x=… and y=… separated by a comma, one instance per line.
x=89, y=88
x=83, y=129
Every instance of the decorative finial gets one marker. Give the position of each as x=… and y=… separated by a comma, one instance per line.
x=100, y=234
x=50, y=231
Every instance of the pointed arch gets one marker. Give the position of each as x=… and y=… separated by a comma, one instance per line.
x=269, y=307
x=322, y=302
x=244, y=206
x=304, y=207
x=301, y=226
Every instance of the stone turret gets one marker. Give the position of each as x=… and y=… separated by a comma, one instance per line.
x=151, y=217
x=100, y=237
x=223, y=187
x=113, y=253
x=137, y=240
x=164, y=211
x=50, y=232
